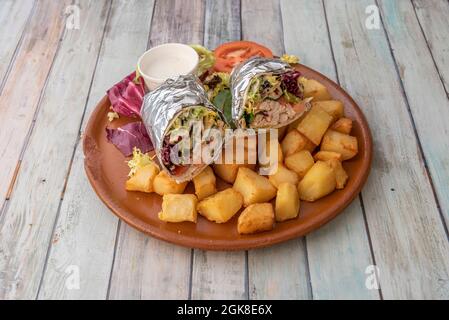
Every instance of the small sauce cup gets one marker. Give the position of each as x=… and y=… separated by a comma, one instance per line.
x=166, y=61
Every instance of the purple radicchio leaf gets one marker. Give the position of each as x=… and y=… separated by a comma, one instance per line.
x=126, y=96
x=127, y=137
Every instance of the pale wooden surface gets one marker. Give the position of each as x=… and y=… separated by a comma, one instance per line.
x=51, y=221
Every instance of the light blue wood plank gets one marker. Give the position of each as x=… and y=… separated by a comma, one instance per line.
x=338, y=253
x=424, y=90
x=409, y=242
x=219, y=275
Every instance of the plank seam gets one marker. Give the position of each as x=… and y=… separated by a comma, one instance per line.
x=365, y=220
x=35, y=115
x=415, y=131
x=247, y=292
x=117, y=237
x=428, y=48
x=192, y=258
x=74, y=149
x=309, y=283
x=16, y=50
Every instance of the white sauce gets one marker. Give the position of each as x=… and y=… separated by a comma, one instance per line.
x=167, y=67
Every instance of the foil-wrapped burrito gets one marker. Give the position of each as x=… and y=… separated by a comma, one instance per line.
x=187, y=130
x=266, y=93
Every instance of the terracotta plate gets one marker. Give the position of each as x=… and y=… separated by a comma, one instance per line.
x=107, y=172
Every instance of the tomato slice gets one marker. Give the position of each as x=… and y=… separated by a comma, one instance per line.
x=230, y=54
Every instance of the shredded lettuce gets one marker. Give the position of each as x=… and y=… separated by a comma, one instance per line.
x=291, y=98
x=139, y=160
x=207, y=58
x=112, y=115
x=290, y=59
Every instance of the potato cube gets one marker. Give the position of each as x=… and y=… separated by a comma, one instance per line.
x=221, y=206
x=227, y=169
x=253, y=187
x=314, y=89
x=315, y=124
x=283, y=175
x=294, y=141
x=268, y=159
x=343, y=125
x=142, y=180
x=344, y=144
x=256, y=218
x=178, y=208
x=327, y=155
x=205, y=183
x=318, y=182
x=164, y=184
x=227, y=172
x=300, y=163
x=340, y=174
x=333, y=107
x=287, y=202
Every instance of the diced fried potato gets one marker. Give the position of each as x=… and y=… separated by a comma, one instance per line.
x=315, y=124
x=205, y=183
x=327, y=155
x=227, y=172
x=178, y=208
x=227, y=169
x=163, y=184
x=318, y=182
x=314, y=89
x=287, y=202
x=300, y=162
x=343, y=125
x=283, y=175
x=333, y=107
x=268, y=159
x=142, y=180
x=257, y=217
x=340, y=174
x=253, y=187
x=221, y=206
x=294, y=141
x=344, y=144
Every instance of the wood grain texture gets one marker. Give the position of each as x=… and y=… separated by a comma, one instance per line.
x=408, y=238
x=219, y=275
x=433, y=17
x=86, y=231
x=222, y=22
x=424, y=90
x=27, y=224
x=176, y=21
x=279, y=272
x=338, y=253
x=14, y=16
x=30, y=69
x=262, y=23
x=173, y=21
x=146, y=268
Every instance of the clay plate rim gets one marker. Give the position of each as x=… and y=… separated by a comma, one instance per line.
x=92, y=155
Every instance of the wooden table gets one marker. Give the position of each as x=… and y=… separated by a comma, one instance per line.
x=58, y=241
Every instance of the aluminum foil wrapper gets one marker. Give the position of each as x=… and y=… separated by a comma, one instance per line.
x=241, y=78
x=161, y=106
